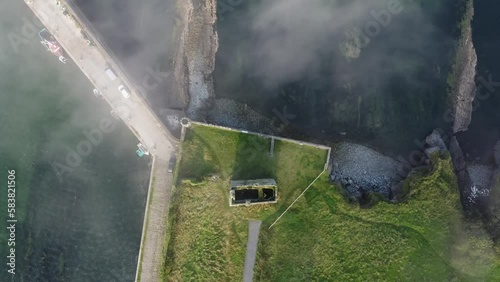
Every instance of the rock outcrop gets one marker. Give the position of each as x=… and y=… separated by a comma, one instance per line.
x=463, y=87
x=434, y=144
x=460, y=168
x=493, y=213
x=195, y=60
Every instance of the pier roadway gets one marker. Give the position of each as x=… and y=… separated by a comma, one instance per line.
x=93, y=59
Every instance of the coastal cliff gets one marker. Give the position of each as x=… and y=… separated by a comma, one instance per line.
x=462, y=78
x=195, y=59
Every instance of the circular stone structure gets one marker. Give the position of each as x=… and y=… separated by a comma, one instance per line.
x=185, y=122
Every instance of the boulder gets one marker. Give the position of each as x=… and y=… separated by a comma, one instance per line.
x=435, y=140
x=430, y=151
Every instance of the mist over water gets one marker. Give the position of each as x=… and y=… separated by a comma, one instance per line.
x=384, y=88
x=87, y=225
x=272, y=54
x=326, y=62
x=139, y=34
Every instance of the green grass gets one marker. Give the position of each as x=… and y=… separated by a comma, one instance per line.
x=208, y=238
x=423, y=239
x=322, y=237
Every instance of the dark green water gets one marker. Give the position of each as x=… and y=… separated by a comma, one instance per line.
x=391, y=95
x=85, y=225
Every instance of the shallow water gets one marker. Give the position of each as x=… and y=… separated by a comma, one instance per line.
x=84, y=224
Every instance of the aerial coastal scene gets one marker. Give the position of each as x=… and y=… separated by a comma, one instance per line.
x=250, y=140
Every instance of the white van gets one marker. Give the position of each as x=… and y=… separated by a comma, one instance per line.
x=124, y=91
x=110, y=73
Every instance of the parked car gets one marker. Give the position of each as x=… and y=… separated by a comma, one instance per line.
x=125, y=92
x=110, y=73
x=171, y=163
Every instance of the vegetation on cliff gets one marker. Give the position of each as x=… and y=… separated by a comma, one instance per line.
x=323, y=236
x=493, y=214
x=422, y=239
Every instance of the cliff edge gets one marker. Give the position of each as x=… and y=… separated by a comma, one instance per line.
x=462, y=79
x=195, y=59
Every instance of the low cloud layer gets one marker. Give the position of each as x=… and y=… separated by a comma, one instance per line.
x=293, y=39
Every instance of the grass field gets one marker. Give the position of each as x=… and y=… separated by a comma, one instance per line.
x=209, y=238
x=323, y=237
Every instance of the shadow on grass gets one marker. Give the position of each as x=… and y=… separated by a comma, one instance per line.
x=198, y=159
x=252, y=159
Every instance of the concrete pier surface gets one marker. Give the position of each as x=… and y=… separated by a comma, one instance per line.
x=134, y=111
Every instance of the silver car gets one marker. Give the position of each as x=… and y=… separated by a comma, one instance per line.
x=124, y=91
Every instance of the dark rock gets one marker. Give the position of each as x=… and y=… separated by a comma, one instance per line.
x=496, y=153
x=397, y=191
x=430, y=151
x=464, y=73
x=359, y=169
x=460, y=168
x=457, y=156
x=434, y=140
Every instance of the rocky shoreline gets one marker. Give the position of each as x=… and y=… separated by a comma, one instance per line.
x=360, y=170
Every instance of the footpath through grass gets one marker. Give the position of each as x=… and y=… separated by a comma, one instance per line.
x=323, y=237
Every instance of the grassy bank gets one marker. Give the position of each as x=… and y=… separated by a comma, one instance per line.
x=208, y=238
x=323, y=237
x=327, y=238
x=425, y=238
